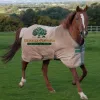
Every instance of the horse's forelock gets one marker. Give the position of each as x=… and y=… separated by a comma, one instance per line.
x=68, y=21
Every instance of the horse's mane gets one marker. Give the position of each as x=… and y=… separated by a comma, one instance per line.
x=68, y=21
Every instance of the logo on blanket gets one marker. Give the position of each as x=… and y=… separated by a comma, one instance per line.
x=41, y=39
x=40, y=32
x=80, y=49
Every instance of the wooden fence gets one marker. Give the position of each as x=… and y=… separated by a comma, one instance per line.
x=94, y=28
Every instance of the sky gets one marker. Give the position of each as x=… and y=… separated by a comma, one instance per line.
x=33, y=1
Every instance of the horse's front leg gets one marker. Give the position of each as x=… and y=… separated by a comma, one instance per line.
x=45, y=71
x=76, y=78
x=84, y=70
x=23, y=79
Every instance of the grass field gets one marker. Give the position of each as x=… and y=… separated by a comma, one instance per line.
x=59, y=75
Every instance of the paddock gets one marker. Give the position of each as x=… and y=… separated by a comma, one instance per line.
x=59, y=75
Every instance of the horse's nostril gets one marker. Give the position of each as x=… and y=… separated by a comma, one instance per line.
x=81, y=32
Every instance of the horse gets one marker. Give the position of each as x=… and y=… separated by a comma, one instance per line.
x=71, y=32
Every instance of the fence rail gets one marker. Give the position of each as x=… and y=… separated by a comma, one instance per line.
x=94, y=28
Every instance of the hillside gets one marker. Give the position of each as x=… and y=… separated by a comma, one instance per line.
x=17, y=8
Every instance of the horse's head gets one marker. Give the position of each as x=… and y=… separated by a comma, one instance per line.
x=81, y=21
x=78, y=20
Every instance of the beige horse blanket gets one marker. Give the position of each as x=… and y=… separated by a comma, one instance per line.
x=43, y=42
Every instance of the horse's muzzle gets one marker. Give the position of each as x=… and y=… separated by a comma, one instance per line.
x=84, y=34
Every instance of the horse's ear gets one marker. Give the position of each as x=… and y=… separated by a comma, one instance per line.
x=78, y=8
x=85, y=9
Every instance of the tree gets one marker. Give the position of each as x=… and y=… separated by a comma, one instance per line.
x=45, y=20
x=57, y=13
x=27, y=17
x=9, y=23
x=94, y=14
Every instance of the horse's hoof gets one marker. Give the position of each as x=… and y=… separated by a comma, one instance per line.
x=73, y=83
x=53, y=91
x=83, y=96
x=21, y=84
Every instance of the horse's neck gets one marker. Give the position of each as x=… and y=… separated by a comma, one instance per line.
x=75, y=34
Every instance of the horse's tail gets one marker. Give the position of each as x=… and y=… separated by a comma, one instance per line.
x=12, y=48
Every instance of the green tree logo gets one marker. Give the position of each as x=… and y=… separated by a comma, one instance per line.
x=40, y=32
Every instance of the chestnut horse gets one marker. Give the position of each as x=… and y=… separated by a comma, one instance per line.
x=76, y=23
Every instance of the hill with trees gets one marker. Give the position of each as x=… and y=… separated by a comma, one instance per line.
x=51, y=16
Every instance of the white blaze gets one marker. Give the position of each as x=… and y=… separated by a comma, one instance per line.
x=82, y=17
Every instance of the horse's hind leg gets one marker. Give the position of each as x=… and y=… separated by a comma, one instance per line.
x=84, y=70
x=45, y=70
x=23, y=79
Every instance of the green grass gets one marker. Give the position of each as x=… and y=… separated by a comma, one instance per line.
x=59, y=75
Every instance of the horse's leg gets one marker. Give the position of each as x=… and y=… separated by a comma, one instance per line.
x=83, y=75
x=84, y=72
x=45, y=70
x=75, y=76
x=23, y=79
